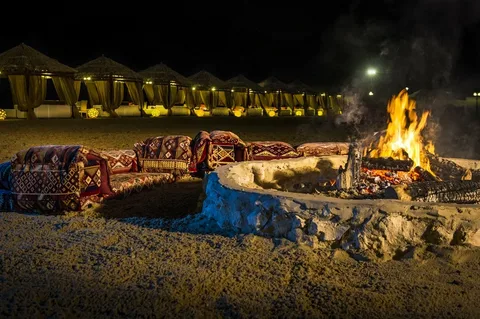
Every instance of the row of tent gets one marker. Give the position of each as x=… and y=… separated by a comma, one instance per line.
x=105, y=80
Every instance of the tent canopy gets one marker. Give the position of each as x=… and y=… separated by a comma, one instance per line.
x=162, y=74
x=241, y=82
x=206, y=81
x=274, y=84
x=298, y=86
x=25, y=60
x=103, y=68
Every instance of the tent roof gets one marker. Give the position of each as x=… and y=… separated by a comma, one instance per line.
x=103, y=68
x=274, y=84
x=240, y=81
x=24, y=59
x=206, y=80
x=162, y=74
x=300, y=87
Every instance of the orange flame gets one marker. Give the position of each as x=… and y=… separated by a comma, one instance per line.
x=403, y=137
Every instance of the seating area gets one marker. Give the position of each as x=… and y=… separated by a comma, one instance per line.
x=53, y=179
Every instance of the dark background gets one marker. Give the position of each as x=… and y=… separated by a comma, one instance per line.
x=422, y=44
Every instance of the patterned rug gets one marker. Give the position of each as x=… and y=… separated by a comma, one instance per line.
x=271, y=150
x=323, y=149
x=164, y=154
x=226, y=138
x=54, y=178
x=200, y=146
x=122, y=161
x=225, y=148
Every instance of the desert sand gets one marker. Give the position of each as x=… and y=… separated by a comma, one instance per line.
x=149, y=256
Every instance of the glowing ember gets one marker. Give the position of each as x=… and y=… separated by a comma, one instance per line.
x=403, y=137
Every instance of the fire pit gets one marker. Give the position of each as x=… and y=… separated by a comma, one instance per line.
x=397, y=164
x=388, y=196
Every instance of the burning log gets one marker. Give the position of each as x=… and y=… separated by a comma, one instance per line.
x=387, y=164
x=445, y=169
x=460, y=192
x=425, y=176
x=449, y=170
x=349, y=176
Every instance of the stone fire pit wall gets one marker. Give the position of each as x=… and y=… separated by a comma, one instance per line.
x=250, y=197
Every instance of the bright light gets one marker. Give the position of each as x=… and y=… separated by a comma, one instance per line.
x=339, y=95
x=406, y=88
x=156, y=113
x=237, y=113
x=194, y=88
x=323, y=94
x=87, y=79
x=475, y=94
x=370, y=93
x=92, y=113
x=213, y=89
x=371, y=72
x=271, y=113
x=233, y=90
x=265, y=92
x=298, y=113
x=3, y=114
x=320, y=112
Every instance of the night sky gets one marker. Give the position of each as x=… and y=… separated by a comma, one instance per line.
x=326, y=46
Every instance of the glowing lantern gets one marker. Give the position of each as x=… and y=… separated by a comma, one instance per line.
x=320, y=112
x=237, y=113
x=271, y=113
x=93, y=113
x=200, y=113
x=3, y=114
x=298, y=113
x=340, y=112
x=155, y=113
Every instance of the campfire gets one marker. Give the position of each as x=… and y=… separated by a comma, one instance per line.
x=399, y=164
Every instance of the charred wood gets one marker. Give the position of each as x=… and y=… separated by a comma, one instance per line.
x=349, y=176
x=426, y=176
x=460, y=192
x=449, y=170
x=387, y=164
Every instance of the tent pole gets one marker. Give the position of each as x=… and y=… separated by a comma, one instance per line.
x=169, y=98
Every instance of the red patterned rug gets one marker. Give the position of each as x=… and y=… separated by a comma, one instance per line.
x=164, y=154
x=270, y=150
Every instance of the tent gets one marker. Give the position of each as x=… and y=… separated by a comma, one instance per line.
x=303, y=95
x=209, y=90
x=28, y=71
x=277, y=93
x=105, y=80
x=245, y=92
x=164, y=86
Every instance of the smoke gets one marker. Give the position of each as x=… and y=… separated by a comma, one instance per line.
x=420, y=50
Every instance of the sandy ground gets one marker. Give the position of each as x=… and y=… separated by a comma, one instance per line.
x=141, y=257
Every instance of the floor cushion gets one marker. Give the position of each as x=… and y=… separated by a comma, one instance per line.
x=323, y=148
x=270, y=150
x=54, y=178
x=200, y=148
x=164, y=154
x=121, y=161
x=225, y=148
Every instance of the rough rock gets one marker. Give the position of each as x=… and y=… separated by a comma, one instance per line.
x=377, y=228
